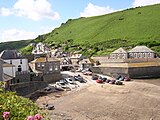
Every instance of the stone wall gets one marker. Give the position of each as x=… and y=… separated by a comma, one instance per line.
x=104, y=60
x=111, y=71
x=27, y=87
x=22, y=76
x=51, y=78
x=133, y=71
x=144, y=72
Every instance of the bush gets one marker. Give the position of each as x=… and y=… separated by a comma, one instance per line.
x=18, y=107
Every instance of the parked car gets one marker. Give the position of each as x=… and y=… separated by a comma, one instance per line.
x=120, y=78
x=118, y=82
x=70, y=80
x=112, y=82
x=108, y=80
x=80, y=79
x=87, y=73
x=127, y=79
x=104, y=79
x=63, y=81
x=95, y=77
x=99, y=81
x=77, y=77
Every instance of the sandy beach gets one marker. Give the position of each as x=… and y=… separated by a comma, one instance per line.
x=135, y=100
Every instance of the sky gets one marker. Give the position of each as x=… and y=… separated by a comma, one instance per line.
x=26, y=19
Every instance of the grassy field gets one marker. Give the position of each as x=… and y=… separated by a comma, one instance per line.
x=101, y=35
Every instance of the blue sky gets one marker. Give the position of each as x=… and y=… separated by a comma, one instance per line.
x=26, y=19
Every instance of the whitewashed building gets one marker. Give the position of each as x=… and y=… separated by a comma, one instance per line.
x=9, y=69
x=12, y=57
x=41, y=48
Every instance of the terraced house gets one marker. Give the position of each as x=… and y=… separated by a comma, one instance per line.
x=47, y=68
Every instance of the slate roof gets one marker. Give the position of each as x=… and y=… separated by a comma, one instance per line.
x=141, y=49
x=9, y=54
x=43, y=59
x=120, y=50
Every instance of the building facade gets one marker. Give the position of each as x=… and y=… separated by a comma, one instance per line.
x=141, y=52
x=12, y=57
x=137, y=52
x=47, y=68
x=119, y=54
x=9, y=69
x=139, y=62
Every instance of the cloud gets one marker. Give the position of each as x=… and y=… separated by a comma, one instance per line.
x=94, y=10
x=46, y=29
x=14, y=34
x=5, y=12
x=137, y=3
x=33, y=9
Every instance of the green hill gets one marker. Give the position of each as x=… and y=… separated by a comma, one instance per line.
x=101, y=35
x=14, y=45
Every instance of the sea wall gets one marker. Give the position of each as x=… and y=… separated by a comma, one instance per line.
x=130, y=71
x=111, y=71
x=144, y=72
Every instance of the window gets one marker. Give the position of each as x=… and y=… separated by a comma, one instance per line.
x=20, y=61
x=50, y=68
x=42, y=65
x=56, y=67
x=19, y=68
x=38, y=65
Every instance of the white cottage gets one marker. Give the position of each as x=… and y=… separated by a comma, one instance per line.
x=41, y=48
x=9, y=69
x=12, y=57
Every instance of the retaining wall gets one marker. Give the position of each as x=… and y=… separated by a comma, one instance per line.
x=144, y=72
x=132, y=72
x=27, y=87
x=51, y=78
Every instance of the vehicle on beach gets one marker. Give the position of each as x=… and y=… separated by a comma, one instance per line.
x=112, y=81
x=108, y=80
x=70, y=80
x=118, y=82
x=95, y=77
x=62, y=85
x=127, y=79
x=123, y=78
x=99, y=81
x=80, y=79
